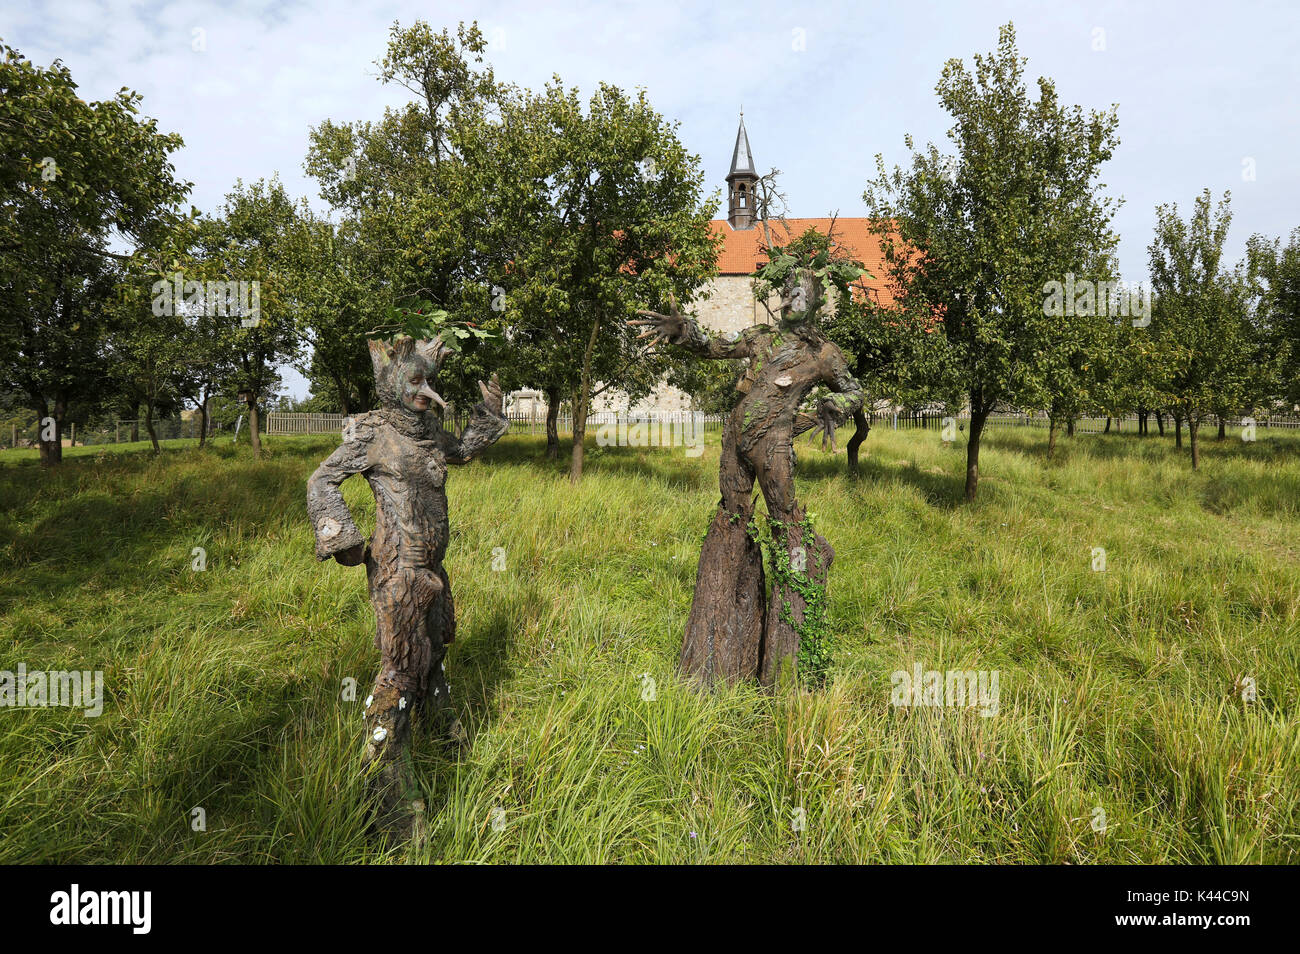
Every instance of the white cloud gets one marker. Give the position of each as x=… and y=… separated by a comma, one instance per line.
x=1199, y=86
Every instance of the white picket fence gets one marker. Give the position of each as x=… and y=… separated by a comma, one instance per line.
x=281, y=422
x=536, y=423
x=278, y=422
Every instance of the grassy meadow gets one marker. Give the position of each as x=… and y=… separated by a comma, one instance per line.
x=1120, y=690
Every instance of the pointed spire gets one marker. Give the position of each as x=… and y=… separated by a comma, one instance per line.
x=742, y=162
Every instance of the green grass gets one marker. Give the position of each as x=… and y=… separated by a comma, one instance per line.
x=224, y=687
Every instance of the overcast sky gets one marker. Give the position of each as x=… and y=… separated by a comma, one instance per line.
x=1208, y=95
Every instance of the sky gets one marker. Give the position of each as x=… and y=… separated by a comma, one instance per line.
x=1208, y=95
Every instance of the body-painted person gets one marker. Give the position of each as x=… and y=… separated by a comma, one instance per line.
x=403, y=451
x=735, y=631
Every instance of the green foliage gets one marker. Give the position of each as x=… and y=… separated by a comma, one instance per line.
x=1274, y=275
x=224, y=688
x=251, y=239
x=970, y=240
x=424, y=321
x=813, y=251
x=76, y=177
x=413, y=223
x=1212, y=357
x=593, y=210
x=816, y=640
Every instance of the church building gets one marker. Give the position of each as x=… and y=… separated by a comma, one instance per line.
x=727, y=303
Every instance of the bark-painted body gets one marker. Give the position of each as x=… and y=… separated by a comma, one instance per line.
x=403, y=451
x=736, y=630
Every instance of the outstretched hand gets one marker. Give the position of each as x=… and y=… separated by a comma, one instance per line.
x=660, y=327
x=492, y=396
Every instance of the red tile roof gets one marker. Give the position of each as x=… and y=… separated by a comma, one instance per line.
x=741, y=253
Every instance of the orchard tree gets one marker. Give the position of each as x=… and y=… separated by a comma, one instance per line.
x=76, y=178
x=1275, y=275
x=410, y=210
x=591, y=213
x=147, y=349
x=1018, y=206
x=250, y=241
x=1201, y=316
x=337, y=307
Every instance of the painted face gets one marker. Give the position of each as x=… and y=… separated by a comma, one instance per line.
x=417, y=395
x=402, y=371
x=803, y=299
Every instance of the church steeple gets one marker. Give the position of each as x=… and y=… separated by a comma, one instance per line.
x=741, y=181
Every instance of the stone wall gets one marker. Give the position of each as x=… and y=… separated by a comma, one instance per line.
x=726, y=304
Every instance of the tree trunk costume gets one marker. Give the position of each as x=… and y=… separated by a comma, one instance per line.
x=735, y=631
x=403, y=452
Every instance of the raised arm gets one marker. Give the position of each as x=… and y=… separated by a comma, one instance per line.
x=336, y=533
x=683, y=332
x=486, y=426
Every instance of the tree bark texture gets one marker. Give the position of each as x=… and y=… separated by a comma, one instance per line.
x=861, y=428
x=254, y=432
x=403, y=451
x=552, y=423
x=736, y=629
x=977, y=419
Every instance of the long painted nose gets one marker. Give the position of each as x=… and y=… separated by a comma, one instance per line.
x=433, y=396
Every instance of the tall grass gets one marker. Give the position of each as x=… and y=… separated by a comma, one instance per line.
x=1120, y=690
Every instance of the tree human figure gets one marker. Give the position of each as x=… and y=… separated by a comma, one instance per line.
x=735, y=631
x=403, y=452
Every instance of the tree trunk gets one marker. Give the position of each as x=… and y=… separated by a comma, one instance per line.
x=861, y=428
x=1160, y=422
x=724, y=633
x=1069, y=427
x=579, y=435
x=51, y=451
x=552, y=423
x=1193, y=426
x=1051, y=435
x=1178, y=431
x=977, y=420
x=1223, y=428
x=135, y=424
x=1107, y=430
x=203, y=420
x=580, y=404
x=253, y=435
x=148, y=425
x=345, y=404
